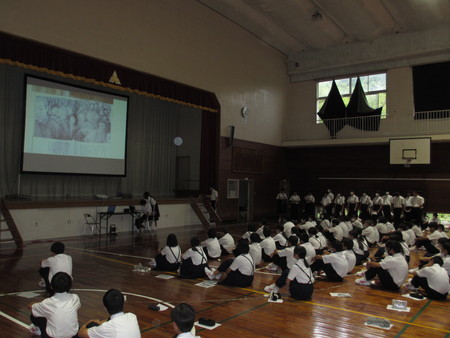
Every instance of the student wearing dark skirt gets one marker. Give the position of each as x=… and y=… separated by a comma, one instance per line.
x=334, y=265
x=235, y=272
x=360, y=246
x=299, y=278
x=194, y=261
x=169, y=258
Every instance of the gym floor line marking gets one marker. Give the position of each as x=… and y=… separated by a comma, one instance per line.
x=14, y=320
x=353, y=311
x=110, y=253
x=413, y=318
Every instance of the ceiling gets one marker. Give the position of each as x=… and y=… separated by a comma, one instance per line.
x=309, y=32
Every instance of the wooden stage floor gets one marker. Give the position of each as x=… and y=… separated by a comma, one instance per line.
x=104, y=263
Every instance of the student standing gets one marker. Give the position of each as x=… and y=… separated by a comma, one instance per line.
x=282, y=204
x=294, y=203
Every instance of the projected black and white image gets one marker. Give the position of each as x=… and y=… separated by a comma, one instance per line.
x=71, y=119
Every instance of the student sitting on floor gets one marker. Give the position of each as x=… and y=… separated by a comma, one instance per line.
x=395, y=236
x=317, y=240
x=255, y=248
x=169, y=258
x=444, y=250
x=391, y=271
x=287, y=228
x=299, y=278
x=268, y=245
x=183, y=319
x=284, y=259
x=119, y=323
x=417, y=229
x=310, y=251
x=430, y=242
x=58, y=262
x=235, y=272
x=360, y=246
x=441, y=229
x=370, y=233
x=347, y=243
x=212, y=245
x=334, y=265
x=260, y=230
x=251, y=228
x=194, y=261
x=226, y=242
x=280, y=239
x=56, y=316
x=433, y=278
x=334, y=233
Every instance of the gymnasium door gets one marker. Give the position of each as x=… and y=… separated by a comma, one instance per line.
x=245, y=203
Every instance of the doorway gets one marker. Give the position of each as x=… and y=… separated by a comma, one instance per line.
x=245, y=201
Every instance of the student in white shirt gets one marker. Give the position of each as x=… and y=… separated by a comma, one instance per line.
x=280, y=238
x=294, y=205
x=235, y=272
x=387, y=201
x=211, y=245
x=430, y=241
x=56, y=316
x=310, y=251
x=347, y=243
x=352, y=203
x=417, y=204
x=370, y=232
x=299, y=278
x=326, y=203
x=226, y=242
x=120, y=324
x=310, y=205
x=285, y=258
x=260, y=230
x=364, y=205
x=319, y=242
x=417, y=230
x=433, y=278
x=360, y=246
x=287, y=228
x=398, y=203
x=408, y=234
x=255, y=250
x=153, y=210
x=169, y=258
x=335, y=233
x=58, y=262
x=145, y=214
x=334, y=265
x=444, y=248
x=194, y=261
x=282, y=204
x=214, y=198
x=441, y=229
x=377, y=204
x=183, y=319
x=391, y=271
x=381, y=226
x=339, y=204
x=251, y=228
x=268, y=245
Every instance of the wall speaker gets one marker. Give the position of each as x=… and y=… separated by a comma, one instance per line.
x=230, y=135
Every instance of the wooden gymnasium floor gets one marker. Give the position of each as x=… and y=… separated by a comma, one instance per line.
x=101, y=263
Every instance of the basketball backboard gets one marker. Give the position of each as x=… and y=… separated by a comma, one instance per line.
x=409, y=151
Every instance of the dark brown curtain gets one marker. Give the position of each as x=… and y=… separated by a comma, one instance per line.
x=209, y=153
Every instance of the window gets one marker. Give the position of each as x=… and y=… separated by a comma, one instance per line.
x=374, y=86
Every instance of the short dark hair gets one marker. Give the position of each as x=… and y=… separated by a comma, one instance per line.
x=172, y=240
x=394, y=245
x=61, y=282
x=57, y=248
x=142, y=202
x=348, y=243
x=184, y=316
x=293, y=240
x=113, y=301
x=432, y=225
x=195, y=241
x=255, y=238
x=212, y=233
x=438, y=260
x=304, y=237
x=300, y=251
x=267, y=232
x=242, y=247
x=337, y=245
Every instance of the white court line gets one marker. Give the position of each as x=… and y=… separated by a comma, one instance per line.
x=14, y=320
x=109, y=253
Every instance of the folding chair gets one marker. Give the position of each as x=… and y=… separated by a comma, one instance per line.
x=91, y=223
